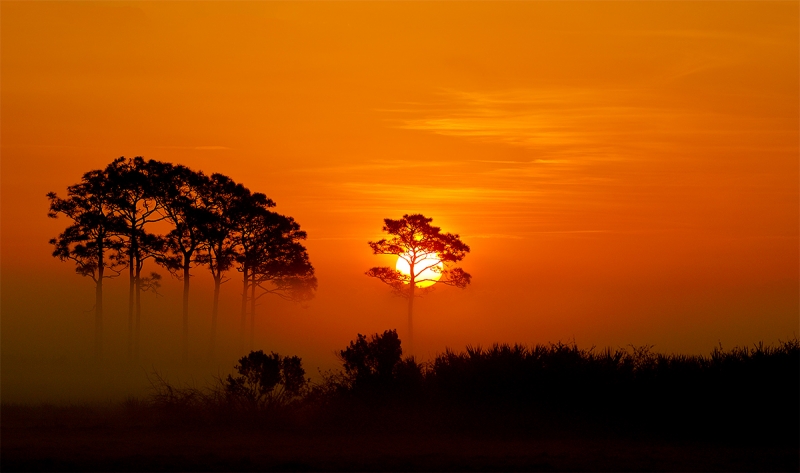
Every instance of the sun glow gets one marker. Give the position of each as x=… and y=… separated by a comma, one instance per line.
x=428, y=277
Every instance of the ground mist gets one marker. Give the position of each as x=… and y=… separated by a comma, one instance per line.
x=494, y=408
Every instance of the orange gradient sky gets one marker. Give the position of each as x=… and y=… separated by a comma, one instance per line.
x=624, y=172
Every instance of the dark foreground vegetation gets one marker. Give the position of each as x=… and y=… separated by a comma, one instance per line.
x=553, y=407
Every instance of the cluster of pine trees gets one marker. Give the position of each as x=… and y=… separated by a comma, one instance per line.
x=209, y=220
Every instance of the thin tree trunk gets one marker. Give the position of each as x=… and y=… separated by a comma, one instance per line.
x=138, y=311
x=214, y=313
x=98, y=306
x=412, y=284
x=131, y=291
x=410, y=325
x=252, y=311
x=244, y=309
x=186, y=262
x=411, y=287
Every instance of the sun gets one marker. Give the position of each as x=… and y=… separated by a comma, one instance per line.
x=429, y=275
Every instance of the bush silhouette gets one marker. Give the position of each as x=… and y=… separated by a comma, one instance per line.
x=266, y=380
x=741, y=395
x=375, y=367
x=372, y=362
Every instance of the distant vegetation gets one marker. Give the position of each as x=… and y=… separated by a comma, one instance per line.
x=552, y=407
x=747, y=394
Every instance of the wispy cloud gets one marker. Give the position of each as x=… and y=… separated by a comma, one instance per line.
x=571, y=231
x=420, y=193
x=493, y=236
x=552, y=122
x=704, y=34
x=569, y=130
x=521, y=163
x=374, y=165
x=343, y=238
x=199, y=148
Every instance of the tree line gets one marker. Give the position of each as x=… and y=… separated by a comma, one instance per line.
x=744, y=394
x=211, y=221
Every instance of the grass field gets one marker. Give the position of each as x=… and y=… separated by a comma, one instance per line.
x=546, y=408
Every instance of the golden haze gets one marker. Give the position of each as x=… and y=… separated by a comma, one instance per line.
x=624, y=172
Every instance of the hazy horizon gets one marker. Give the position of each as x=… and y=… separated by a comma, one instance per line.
x=624, y=172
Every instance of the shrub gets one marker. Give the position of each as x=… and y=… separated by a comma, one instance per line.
x=372, y=362
x=266, y=380
x=374, y=369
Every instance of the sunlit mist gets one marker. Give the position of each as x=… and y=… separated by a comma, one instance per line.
x=622, y=172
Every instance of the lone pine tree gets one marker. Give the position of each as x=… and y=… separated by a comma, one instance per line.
x=425, y=253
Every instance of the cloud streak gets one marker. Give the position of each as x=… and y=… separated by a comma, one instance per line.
x=421, y=193
x=199, y=148
x=375, y=165
x=551, y=122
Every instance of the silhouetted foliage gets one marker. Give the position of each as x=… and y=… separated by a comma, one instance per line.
x=423, y=247
x=373, y=361
x=374, y=374
x=89, y=239
x=131, y=193
x=264, y=384
x=271, y=258
x=214, y=221
x=632, y=389
x=743, y=395
x=178, y=191
x=150, y=246
x=623, y=391
x=222, y=198
x=266, y=380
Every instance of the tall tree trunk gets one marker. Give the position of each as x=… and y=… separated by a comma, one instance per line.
x=244, y=308
x=214, y=313
x=186, y=262
x=412, y=284
x=411, y=287
x=131, y=291
x=98, y=305
x=138, y=310
x=252, y=311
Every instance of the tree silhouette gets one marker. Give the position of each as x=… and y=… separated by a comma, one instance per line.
x=247, y=230
x=222, y=197
x=266, y=380
x=375, y=371
x=130, y=188
x=149, y=246
x=372, y=362
x=178, y=190
x=274, y=260
x=91, y=236
x=424, y=248
x=214, y=220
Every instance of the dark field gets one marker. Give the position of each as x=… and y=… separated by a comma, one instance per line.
x=555, y=408
x=84, y=438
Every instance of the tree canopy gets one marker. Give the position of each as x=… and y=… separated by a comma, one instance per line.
x=212, y=221
x=91, y=240
x=425, y=249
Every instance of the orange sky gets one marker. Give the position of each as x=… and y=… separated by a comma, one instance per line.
x=625, y=172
